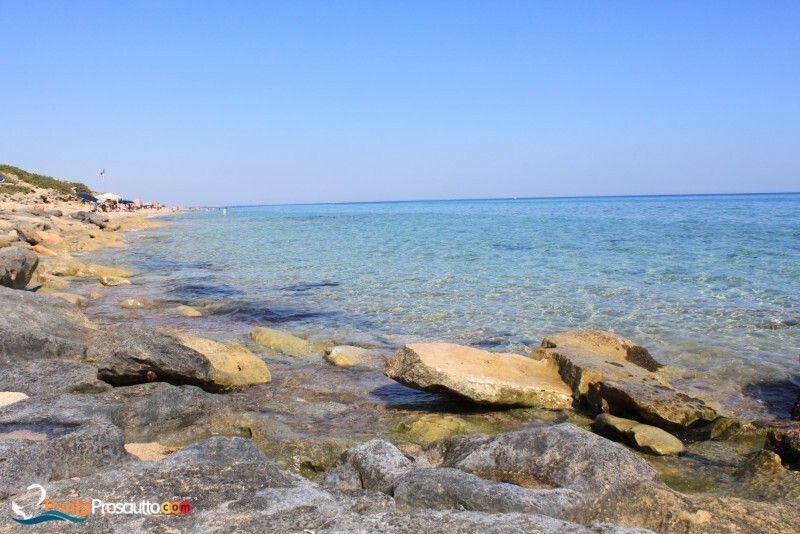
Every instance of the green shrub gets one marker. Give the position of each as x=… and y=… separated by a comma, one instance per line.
x=10, y=189
x=45, y=182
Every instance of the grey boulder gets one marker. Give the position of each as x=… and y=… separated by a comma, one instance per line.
x=91, y=218
x=36, y=449
x=47, y=377
x=375, y=465
x=17, y=267
x=41, y=326
x=133, y=354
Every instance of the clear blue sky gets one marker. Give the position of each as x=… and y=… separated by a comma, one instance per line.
x=295, y=101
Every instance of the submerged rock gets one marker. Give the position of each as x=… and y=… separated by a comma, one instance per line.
x=188, y=311
x=308, y=456
x=346, y=355
x=66, y=265
x=608, y=373
x=137, y=303
x=17, y=267
x=643, y=437
x=482, y=377
x=283, y=342
x=114, y=281
x=427, y=428
x=764, y=477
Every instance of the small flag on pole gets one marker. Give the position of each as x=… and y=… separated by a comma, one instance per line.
x=103, y=174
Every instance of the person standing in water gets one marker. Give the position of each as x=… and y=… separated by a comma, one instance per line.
x=224, y=212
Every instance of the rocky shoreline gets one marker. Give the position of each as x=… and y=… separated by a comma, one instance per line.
x=124, y=412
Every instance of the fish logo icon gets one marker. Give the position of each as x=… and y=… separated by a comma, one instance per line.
x=47, y=515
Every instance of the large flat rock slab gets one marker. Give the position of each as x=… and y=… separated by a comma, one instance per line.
x=608, y=373
x=481, y=376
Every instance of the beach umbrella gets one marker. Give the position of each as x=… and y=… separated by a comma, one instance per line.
x=87, y=197
x=108, y=196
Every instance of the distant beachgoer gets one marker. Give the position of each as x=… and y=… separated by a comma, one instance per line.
x=224, y=212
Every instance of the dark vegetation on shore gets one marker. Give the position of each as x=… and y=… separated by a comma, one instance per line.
x=22, y=179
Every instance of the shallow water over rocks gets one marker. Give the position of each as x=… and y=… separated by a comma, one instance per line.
x=727, y=338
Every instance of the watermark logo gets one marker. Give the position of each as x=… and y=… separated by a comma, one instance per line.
x=52, y=510
x=79, y=511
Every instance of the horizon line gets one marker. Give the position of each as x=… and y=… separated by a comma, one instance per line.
x=494, y=199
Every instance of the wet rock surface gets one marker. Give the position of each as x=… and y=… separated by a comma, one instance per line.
x=345, y=355
x=283, y=342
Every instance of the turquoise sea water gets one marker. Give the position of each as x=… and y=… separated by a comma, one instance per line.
x=710, y=284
